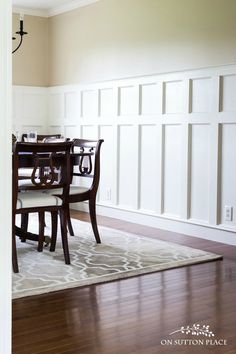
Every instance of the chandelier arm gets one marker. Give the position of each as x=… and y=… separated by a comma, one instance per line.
x=21, y=40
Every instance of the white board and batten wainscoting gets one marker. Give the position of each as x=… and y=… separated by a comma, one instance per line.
x=169, y=156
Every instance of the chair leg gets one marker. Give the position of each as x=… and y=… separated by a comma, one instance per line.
x=24, y=224
x=14, y=252
x=41, y=231
x=69, y=224
x=44, y=220
x=64, y=236
x=54, y=230
x=93, y=218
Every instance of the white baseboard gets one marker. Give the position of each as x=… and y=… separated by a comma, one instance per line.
x=184, y=227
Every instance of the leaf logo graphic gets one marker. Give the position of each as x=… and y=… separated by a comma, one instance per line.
x=195, y=330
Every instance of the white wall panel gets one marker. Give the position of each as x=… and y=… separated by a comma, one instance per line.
x=34, y=107
x=201, y=95
x=72, y=131
x=89, y=103
x=149, y=177
x=15, y=105
x=128, y=100
x=127, y=170
x=89, y=132
x=228, y=93
x=151, y=98
x=228, y=172
x=107, y=102
x=200, y=170
x=17, y=111
x=172, y=169
x=13, y=111
x=173, y=97
x=30, y=109
x=56, y=108
x=55, y=129
x=71, y=105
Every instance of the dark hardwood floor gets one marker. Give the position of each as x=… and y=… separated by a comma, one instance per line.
x=136, y=315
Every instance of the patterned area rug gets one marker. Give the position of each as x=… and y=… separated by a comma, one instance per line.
x=120, y=255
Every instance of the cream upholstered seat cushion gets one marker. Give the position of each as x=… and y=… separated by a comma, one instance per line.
x=77, y=189
x=26, y=172
x=26, y=183
x=73, y=190
x=35, y=199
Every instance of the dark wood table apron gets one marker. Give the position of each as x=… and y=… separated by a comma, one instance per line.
x=26, y=160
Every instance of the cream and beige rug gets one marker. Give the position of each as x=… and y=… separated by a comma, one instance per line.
x=120, y=255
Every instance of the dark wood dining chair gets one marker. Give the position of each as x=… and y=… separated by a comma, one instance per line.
x=89, y=168
x=25, y=177
x=25, y=173
x=31, y=198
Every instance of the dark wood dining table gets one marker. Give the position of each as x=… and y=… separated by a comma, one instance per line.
x=26, y=160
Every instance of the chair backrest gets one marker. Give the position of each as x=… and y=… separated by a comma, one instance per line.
x=89, y=163
x=50, y=165
x=42, y=137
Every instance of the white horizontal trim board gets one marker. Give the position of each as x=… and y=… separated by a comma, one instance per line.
x=169, y=143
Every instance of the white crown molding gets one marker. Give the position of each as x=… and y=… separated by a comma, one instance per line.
x=71, y=5
x=31, y=12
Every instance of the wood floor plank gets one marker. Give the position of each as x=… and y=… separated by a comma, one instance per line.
x=134, y=315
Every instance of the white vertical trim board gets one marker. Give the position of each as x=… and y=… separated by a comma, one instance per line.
x=169, y=144
x=5, y=177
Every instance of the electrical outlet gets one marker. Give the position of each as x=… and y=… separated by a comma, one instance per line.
x=228, y=213
x=108, y=193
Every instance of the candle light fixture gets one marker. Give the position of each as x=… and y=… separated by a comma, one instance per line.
x=21, y=33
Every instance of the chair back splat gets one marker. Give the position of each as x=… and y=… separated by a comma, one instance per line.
x=89, y=165
x=46, y=160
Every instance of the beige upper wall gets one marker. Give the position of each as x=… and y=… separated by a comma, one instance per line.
x=30, y=62
x=121, y=38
